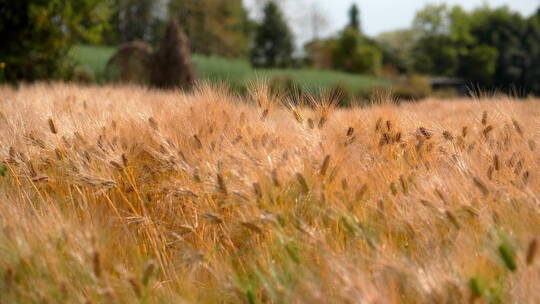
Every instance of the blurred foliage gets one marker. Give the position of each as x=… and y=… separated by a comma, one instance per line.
x=356, y=53
x=38, y=34
x=434, y=55
x=532, y=44
x=344, y=50
x=489, y=48
x=367, y=59
x=432, y=20
x=134, y=20
x=397, y=47
x=484, y=59
x=415, y=87
x=354, y=18
x=273, y=45
x=217, y=27
x=507, y=32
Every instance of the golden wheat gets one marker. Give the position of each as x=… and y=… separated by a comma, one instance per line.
x=166, y=197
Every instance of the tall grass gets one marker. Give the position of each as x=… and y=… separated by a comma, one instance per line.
x=123, y=195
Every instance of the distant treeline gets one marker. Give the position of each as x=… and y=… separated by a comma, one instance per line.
x=489, y=48
x=493, y=48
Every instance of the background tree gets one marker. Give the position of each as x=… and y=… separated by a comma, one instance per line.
x=354, y=18
x=397, y=47
x=507, y=32
x=432, y=20
x=273, y=45
x=489, y=48
x=434, y=52
x=38, y=34
x=133, y=20
x=355, y=53
x=345, y=49
x=532, y=44
x=479, y=65
x=351, y=51
x=219, y=27
x=367, y=59
x=436, y=55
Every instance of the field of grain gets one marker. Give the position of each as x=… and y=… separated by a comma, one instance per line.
x=126, y=195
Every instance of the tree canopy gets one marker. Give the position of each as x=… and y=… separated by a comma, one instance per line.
x=490, y=48
x=354, y=18
x=219, y=27
x=133, y=20
x=38, y=34
x=273, y=45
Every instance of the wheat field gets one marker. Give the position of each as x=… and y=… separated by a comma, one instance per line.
x=127, y=195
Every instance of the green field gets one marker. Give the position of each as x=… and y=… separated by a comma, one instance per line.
x=93, y=58
x=238, y=73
